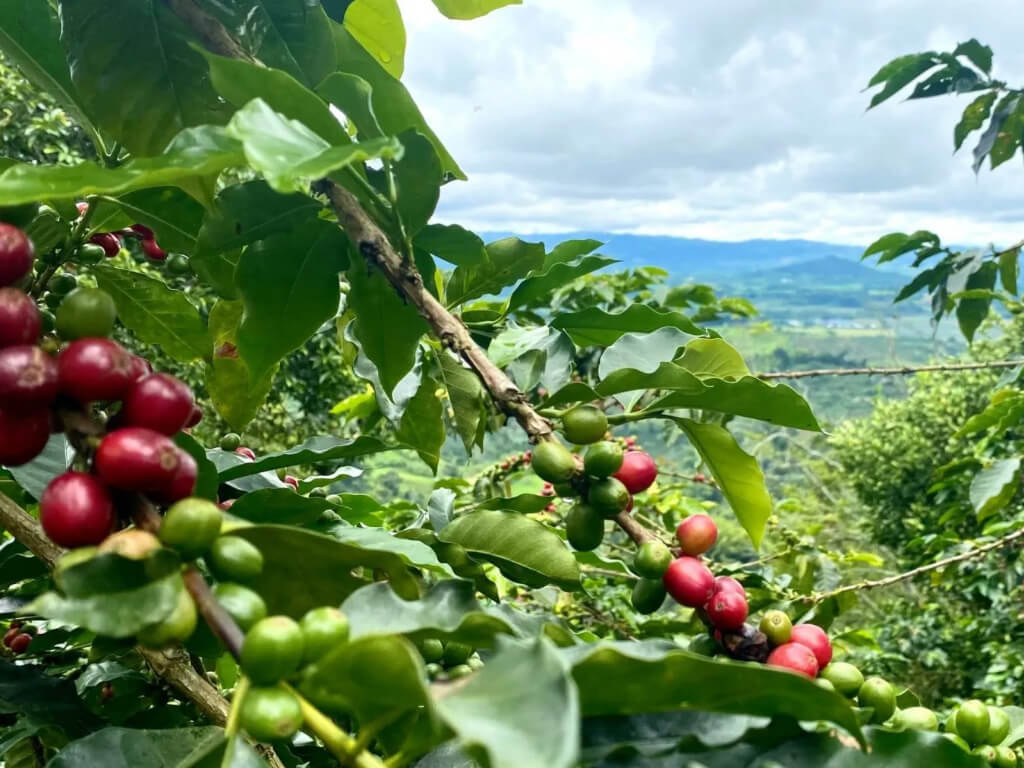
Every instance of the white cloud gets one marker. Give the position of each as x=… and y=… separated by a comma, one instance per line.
x=727, y=120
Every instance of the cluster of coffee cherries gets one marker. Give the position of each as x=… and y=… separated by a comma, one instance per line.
x=448, y=660
x=18, y=637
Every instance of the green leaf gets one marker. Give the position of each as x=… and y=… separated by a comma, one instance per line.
x=495, y=714
x=135, y=71
x=471, y=9
x=133, y=748
x=737, y=473
x=353, y=96
x=279, y=505
x=113, y=690
x=422, y=425
x=525, y=550
x=168, y=211
x=239, y=82
x=206, y=484
x=377, y=25
x=303, y=569
x=993, y=487
x=316, y=450
x=899, y=73
x=570, y=250
x=35, y=692
x=235, y=394
x=452, y=243
x=970, y=313
x=289, y=154
x=156, y=313
x=467, y=399
x=713, y=357
x=636, y=677
x=979, y=55
x=534, y=290
x=289, y=284
x=193, y=152
x=392, y=104
x=507, y=261
x=370, y=678
x=974, y=116
x=642, y=351
x=524, y=503
x=391, y=346
x=596, y=327
x=30, y=37
x=418, y=178
x=1008, y=265
x=448, y=610
x=54, y=460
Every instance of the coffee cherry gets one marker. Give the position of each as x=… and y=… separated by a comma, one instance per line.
x=11, y=633
x=323, y=630
x=459, y=670
x=178, y=264
x=998, y=726
x=603, y=459
x=94, y=369
x=92, y=253
x=195, y=417
x=689, y=582
x=144, y=232
x=813, y=637
x=584, y=424
x=244, y=606
x=190, y=526
x=553, y=462
x=232, y=558
x=175, y=628
x=20, y=643
x=431, y=649
x=584, y=527
x=986, y=752
x=776, y=627
x=16, y=254
x=52, y=300
x=638, y=471
x=159, y=402
x=1005, y=758
x=652, y=559
x=230, y=441
x=76, y=510
x=457, y=653
x=130, y=543
x=138, y=459
x=823, y=683
x=727, y=610
x=183, y=484
x=291, y=480
x=86, y=313
x=728, y=583
x=20, y=322
x=795, y=657
x=879, y=694
x=153, y=251
x=63, y=284
x=475, y=663
x=608, y=496
x=24, y=433
x=697, y=534
x=272, y=650
x=246, y=453
x=140, y=367
x=28, y=376
x=916, y=719
x=846, y=678
x=108, y=241
x=48, y=321
x=270, y=714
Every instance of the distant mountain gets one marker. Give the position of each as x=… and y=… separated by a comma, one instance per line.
x=835, y=269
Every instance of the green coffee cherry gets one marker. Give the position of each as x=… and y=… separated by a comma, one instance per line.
x=191, y=526
x=584, y=527
x=652, y=559
x=457, y=653
x=998, y=726
x=845, y=677
x=459, y=670
x=878, y=694
x=553, y=462
x=584, y=424
x=242, y=604
x=608, y=496
x=86, y=313
x=431, y=649
x=270, y=714
x=973, y=721
x=230, y=441
x=272, y=650
x=323, y=629
x=603, y=459
x=174, y=629
x=232, y=558
x=648, y=595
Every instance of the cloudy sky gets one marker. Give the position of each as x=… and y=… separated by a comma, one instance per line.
x=726, y=120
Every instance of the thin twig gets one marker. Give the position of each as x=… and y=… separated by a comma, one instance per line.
x=901, y=371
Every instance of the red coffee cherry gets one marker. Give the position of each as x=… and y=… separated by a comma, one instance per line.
x=689, y=582
x=11, y=633
x=20, y=322
x=697, y=534
x=727, y=610
x=95, y=369
x=20, y=643
x=110, y=243
x=153, y=251
x=183, y=484
x=16, y=254
x=638, y=471
x=138, y=459
x=813, y=637
x=729, y=584
x=195, y=417
x=23, y=434
x=76, y=510
x=28, y=376
x=159, y=402
x=140, y=367
x=145, y=232
x=245, y=452
x=292, y=481
x=795, y=657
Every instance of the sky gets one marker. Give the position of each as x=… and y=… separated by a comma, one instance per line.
x=724, y=120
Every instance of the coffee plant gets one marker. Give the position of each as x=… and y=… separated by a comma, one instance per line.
x=264, y=174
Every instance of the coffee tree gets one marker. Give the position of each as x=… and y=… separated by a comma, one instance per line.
x=175, y=603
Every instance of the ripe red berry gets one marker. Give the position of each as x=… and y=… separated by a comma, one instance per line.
x=638, y=471
x=95, y=369
x=727, y=610
x=195, y=417
x=795, y=657
x=245, y=452
x=140, y=367
x=16, y=254
x=110, y=243
x=813, y=637
x=153, y=251
x=20, y=322
x=699, y=478
x=159, y=402
x=729, y=584
x=20, y=643
x=23, y=434
x=528, y=457
x=145, y=232
x=227, y=504
x=689, y=581
x=292, y=481
x=183, y=484
x=697, y=534
x=11, y=633
x=28, y=376
x=76, y=510
x=138, y=459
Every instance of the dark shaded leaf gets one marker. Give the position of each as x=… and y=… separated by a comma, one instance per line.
x=452, y=243
x=507, y=262
x=313, y=451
